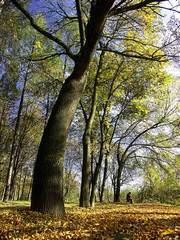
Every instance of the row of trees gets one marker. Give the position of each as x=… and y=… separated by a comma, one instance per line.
x=127, y=122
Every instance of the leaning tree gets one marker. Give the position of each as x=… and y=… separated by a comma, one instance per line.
x=91, y=17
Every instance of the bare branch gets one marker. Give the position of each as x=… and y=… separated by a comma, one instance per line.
x=170, y=9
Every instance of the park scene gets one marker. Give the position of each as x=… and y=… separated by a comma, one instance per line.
x=90, y=119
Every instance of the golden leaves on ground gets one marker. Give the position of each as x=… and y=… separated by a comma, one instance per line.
x=104, y=222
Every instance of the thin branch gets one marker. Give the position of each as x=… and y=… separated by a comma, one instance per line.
x=137, y=6
x=118, y=5
x=44, y=32
x=83, y=110
x=65, y=14
x=170, y=9
x=80, y=21
x=140, y=134
x=158, y=58
x=50, y=56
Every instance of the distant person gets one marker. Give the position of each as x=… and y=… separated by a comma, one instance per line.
x=129, y=198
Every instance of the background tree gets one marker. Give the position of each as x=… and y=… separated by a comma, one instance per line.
x=20, y=83
x=160, y=184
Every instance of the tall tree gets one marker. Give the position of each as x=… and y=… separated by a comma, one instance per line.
x=89, y=118
x=47, y=192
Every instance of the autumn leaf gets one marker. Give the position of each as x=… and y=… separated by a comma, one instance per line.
x=104, y=222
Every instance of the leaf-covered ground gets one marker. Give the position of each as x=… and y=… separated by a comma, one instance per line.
x=107, y=221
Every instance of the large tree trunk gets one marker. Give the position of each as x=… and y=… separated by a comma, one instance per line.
x=47, y=190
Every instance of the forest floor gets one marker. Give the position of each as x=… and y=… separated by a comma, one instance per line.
x=104, y=222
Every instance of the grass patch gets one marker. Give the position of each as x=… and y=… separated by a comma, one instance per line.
x=14, y=205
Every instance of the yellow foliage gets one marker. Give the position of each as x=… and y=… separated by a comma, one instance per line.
x=104, y=222
x=38, y=44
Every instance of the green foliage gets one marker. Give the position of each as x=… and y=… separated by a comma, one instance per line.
x=161, y=183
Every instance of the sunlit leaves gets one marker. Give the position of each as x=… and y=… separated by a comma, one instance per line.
x=135, y=221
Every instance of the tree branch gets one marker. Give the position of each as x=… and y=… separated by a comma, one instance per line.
x=80, y=21
x=83, y=110
x=140, y=134
x=137, y=6
x=46, y=57
x=158, y=58
x=118, y=5
x=44, y=32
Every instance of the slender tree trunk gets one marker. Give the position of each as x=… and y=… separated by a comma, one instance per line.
x=20, y=184
x=12, y=187
x=104, y=178
x=101, y=153
x=96, y=173
x=99, y=184
x=47, y=111
x=92, y=163
x=103, y=133
x=114, y=190
x=22, y=133
x=117, y=197
x=14, y=190
x=23, y=187
x=86, y=168
x=120, y=169
x=85, y=191
x=30, y=190
x=14, y=143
